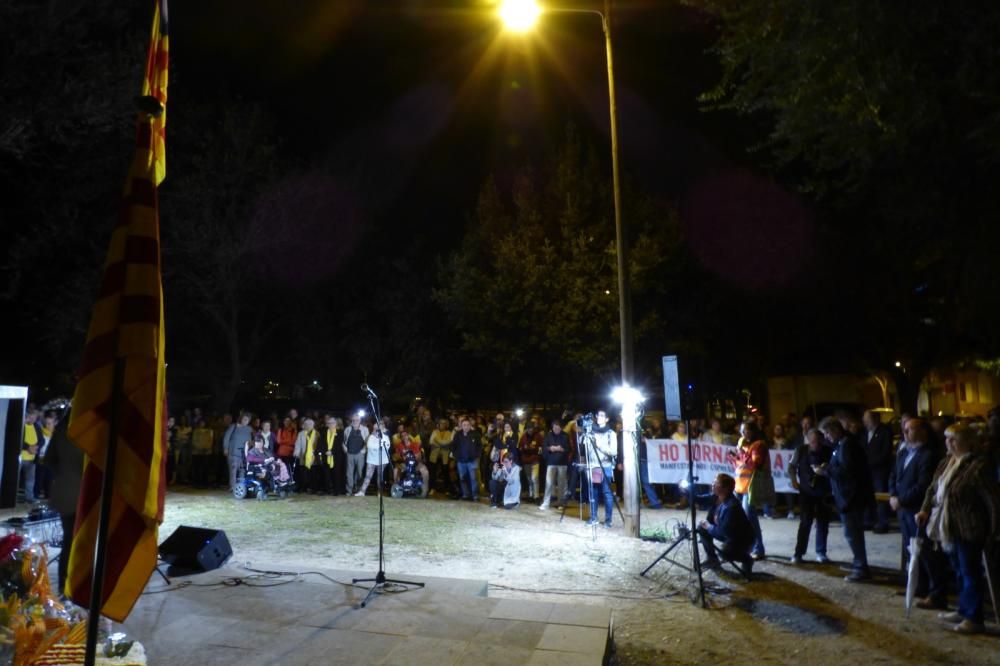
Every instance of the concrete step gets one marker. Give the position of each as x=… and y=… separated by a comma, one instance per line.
x=229, y=616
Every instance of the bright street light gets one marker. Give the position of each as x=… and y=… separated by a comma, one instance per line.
x=519, y=15
x=627, y=395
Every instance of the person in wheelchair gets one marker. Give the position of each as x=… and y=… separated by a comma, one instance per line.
x=405, y=445
x=270, y=472
x=728, y=524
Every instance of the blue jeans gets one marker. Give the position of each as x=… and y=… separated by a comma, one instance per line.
x=603, y=489
x=854, y=534
x=467, y=478
x=751, y=511
x=654, y=499
x=967, y=561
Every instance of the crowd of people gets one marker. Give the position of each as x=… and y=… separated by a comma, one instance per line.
x=938, y=481
x=942, y=483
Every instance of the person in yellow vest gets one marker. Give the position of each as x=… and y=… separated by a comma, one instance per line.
x=202, y=441
x=320, y=477
x=754, y=484
x=305, y=453
x=29, y=451
x=43, y=475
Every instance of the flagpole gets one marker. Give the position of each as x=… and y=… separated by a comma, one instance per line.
x=104, y=522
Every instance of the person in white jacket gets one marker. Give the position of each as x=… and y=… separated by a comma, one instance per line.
x=376, y=458
x=510, y=474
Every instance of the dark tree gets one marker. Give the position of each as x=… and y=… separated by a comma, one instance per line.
x=888, y=116
x=533, y=287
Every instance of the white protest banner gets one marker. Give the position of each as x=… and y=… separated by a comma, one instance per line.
x=667, y=462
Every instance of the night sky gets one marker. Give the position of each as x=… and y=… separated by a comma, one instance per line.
x=388, y=117
x=436, y=97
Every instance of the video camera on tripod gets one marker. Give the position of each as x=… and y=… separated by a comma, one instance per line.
x=586, y=422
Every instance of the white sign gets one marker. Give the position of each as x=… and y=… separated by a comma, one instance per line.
x=667, y=462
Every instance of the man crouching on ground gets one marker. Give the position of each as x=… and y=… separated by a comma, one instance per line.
x=727, y=523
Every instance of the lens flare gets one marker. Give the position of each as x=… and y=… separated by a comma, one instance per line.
x=519, y=15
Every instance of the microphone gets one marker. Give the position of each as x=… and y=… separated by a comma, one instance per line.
x=367, y=389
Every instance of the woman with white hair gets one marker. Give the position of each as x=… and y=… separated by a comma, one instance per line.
x=962, y=512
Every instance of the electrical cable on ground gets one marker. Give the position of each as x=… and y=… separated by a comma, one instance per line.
x=263, y=575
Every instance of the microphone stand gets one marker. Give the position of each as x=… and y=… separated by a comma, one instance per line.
x=380, y=581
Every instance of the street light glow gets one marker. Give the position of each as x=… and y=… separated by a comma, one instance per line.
x=627, y=395
x=519, y=15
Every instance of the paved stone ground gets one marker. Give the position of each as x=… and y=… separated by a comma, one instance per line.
x=209, y=619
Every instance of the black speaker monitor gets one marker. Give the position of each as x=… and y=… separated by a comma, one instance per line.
x=196, y=548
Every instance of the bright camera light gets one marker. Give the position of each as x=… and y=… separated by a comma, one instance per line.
x=519, y=412
x=361, y=413
x=519, y=15
x=684, y=484
x=627, y=395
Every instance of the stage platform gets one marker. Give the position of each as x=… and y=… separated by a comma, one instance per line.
x=204, y=620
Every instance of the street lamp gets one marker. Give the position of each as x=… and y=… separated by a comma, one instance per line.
x=520, y=16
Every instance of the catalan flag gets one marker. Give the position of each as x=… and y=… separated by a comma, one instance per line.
x=126, y=327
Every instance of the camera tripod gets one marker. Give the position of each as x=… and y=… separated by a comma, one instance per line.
x=379, y=582
x=685, y=533
x=582, y=468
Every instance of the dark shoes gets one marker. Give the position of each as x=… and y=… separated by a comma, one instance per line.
x=859, y=576
x=711, y=563
x=928, y=603
x=823, y=559
x=757, y=556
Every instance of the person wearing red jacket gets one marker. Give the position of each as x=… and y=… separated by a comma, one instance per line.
x=529, y=450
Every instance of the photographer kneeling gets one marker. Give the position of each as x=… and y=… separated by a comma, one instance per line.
x=506, y=480
x=728, y=523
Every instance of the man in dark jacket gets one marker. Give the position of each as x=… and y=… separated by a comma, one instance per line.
x=66, y=461
x=814, y=489
x=555, y=452
x=466, y=448
x=851, y=482
x=878, y=445
x=908, y=483
x=728, y=523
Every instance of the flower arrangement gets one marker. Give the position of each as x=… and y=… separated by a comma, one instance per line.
x=32, y=620
x=36, y=628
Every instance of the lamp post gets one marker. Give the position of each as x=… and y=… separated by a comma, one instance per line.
x=520, y=16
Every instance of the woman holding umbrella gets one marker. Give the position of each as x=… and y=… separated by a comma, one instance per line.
x=962, y=512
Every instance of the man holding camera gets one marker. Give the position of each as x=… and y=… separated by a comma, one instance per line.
x=505, y=485
x=727, y=523
x=600, y=447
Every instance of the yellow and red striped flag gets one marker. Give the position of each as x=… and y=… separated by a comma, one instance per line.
x=127, y=326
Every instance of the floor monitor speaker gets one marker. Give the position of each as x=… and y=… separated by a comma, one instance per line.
x=196, y=548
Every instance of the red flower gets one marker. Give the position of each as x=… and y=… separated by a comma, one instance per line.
x=9, y=544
